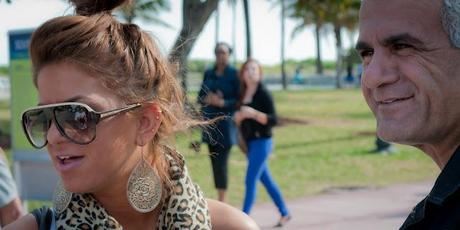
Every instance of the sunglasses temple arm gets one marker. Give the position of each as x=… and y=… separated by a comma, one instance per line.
x=117, y=111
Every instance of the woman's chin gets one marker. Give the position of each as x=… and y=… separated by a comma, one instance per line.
x=73, y=186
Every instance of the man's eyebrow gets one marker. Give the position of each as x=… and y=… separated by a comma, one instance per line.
x=360, y=45
x=391, y=40
x=405, y=37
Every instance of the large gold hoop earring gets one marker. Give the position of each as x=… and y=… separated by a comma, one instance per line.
x=144, y=187
x=61, y=197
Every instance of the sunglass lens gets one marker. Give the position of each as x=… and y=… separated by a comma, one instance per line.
x=76, y=123
x=36, y=124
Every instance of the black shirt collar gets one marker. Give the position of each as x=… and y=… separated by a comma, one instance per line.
x=448, y=181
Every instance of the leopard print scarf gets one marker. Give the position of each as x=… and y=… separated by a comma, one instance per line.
x=185, y=208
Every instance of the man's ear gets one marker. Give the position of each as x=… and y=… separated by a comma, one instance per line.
x=148, y=123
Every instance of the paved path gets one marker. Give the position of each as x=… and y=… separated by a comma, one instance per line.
x=367, y=208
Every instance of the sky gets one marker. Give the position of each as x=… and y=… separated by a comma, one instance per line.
x=265, y=26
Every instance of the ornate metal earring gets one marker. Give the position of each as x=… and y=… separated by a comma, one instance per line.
x=61, y=197
x=144, y=187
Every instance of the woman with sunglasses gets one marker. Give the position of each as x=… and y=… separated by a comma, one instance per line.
x=108, y=104
x=255, y=118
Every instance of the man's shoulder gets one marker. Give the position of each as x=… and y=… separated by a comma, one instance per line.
x=430, y=215
x=441, y=207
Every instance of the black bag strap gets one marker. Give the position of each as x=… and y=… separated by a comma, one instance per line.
x=44, y=217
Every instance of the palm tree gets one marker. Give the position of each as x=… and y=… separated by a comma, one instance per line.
x=233, y=3
x=282, y=44
x=342, y=14
x=283, y=57
x=248, y=29
x=217, y=22
x=309, y=12
x=195, y=14
x=146, y=10
x=338, y=13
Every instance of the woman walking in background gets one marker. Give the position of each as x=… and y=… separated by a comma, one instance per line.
x=218, y=96
x=256, y=117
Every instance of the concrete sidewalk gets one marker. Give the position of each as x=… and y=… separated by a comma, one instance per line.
x=366, y=208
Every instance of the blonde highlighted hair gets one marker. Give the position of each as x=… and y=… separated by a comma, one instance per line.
x=124, y=58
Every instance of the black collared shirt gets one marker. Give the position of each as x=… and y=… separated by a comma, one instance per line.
x=441, y=208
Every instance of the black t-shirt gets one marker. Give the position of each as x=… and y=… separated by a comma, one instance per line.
x=44, y=217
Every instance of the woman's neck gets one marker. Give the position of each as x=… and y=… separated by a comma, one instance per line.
x=220, y=69
x=116, y=204
x=249, y=94
x=113, y=198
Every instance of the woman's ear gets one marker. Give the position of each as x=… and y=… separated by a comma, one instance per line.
x=149, y=122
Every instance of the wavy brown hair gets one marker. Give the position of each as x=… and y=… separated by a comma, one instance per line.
x=124, y=58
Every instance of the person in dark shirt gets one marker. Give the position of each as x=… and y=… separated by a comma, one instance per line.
x=383, y=147
x=218, y=96
x=256, y=117
x=411, y=76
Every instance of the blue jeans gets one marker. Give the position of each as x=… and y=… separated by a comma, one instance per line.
x=258, y=152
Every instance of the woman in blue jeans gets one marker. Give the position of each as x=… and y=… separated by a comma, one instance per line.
x=256, y=117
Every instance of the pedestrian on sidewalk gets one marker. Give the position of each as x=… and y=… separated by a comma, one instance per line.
x=255, y=118
x=383, y=147
x=410, y=51
x=218, y=96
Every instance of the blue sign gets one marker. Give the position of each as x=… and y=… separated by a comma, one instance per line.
x=19, y=44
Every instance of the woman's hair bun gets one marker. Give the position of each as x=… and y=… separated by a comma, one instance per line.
x=90, y=7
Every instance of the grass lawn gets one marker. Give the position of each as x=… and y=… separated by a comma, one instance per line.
x=328, y=149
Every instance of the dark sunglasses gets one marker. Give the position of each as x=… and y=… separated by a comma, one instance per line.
x=75, y=121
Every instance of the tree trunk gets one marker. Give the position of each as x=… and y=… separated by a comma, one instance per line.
x=234, y=31
x=283, y=30
x=195, y=14
x=248, y=29
x=319, y=62
x=217, y=22
x=339, y=61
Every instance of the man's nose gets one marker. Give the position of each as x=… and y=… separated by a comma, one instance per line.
x=381, y=70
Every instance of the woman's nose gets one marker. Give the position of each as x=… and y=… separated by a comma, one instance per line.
x=54, y=136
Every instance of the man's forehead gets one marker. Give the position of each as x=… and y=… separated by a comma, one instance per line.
x=403, y=4
x=391, y=8
x=390, y=17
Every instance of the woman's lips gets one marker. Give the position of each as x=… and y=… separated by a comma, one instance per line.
x=66, y=163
